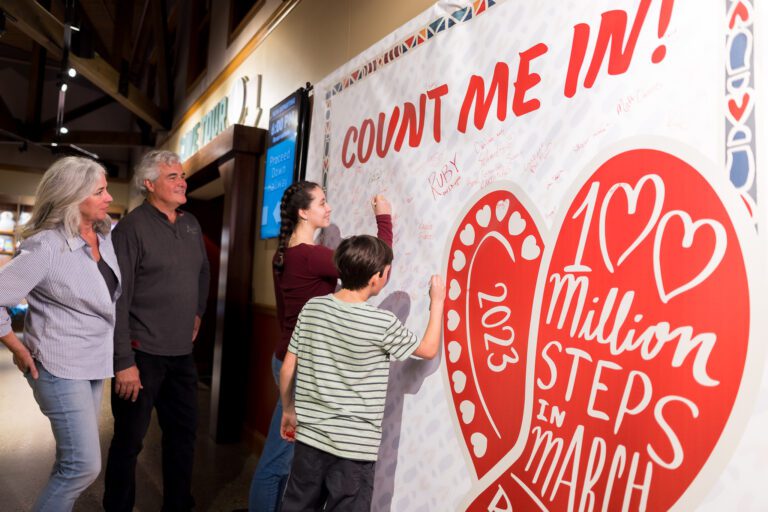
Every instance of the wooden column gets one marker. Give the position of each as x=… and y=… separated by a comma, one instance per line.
x=232, y=156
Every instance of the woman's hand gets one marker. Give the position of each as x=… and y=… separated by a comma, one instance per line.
x=21, y=356
x=381, y=205
x=24, y=362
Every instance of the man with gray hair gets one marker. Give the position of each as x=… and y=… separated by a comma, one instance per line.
x=165, y=273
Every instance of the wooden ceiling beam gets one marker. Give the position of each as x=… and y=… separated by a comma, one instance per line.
x=7, y=121
x=140, y=47
x=35, y=90
x=46, y=30
x=121, y=40
x=36, y=83
x=96, y=22
x=165, y=91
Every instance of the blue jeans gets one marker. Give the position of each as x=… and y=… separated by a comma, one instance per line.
x=275, y=461
x=72, y=406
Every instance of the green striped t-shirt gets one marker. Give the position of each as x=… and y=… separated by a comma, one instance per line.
x=343, y=352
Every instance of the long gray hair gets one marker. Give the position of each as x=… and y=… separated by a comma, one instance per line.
x=149, y=167
x=66, y=184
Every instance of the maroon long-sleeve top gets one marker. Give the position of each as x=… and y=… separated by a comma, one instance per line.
x=308, y=271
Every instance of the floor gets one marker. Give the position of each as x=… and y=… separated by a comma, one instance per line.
x=222, y=473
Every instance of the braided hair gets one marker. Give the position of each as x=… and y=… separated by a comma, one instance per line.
x=296, y=197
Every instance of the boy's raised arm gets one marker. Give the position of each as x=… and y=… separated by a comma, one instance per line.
x=288, y=422
x=430, y=342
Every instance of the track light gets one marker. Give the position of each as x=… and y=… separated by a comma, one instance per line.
x=72, y=72
x=54, y=144
x=64, y=130
x=64, y=87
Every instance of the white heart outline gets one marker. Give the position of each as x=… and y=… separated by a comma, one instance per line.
x=483, y=216
x=690, y=228
x=454, y=351
x=479, y=444
x=454, y=290
x=502, y=207
x=519, y=223
x=459, y=380
x=632, y=194
x=526, y=249
x=468, y=231
x=467, y=410
x=459, y=260
x=453, y=320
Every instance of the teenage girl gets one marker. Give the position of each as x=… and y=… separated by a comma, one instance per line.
x=301, y=270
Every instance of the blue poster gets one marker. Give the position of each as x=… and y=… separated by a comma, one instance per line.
x=278, y=175
x=280, y=168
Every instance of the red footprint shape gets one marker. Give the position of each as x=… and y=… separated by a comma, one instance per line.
x=491, y=278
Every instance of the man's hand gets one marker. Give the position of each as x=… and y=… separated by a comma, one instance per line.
x=196, y=328
x=288, y=426
x=24, y=362
x=127, y=383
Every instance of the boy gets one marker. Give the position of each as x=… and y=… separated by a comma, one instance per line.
x=340, y=353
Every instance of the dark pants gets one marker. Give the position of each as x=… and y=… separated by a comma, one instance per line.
x=169, y=385
x=318, y=478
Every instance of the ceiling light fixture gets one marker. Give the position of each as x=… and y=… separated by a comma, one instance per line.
x=72, y=72
x=64, y=130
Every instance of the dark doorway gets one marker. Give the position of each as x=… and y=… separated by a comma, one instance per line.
x=210, y=214
x=228, y=168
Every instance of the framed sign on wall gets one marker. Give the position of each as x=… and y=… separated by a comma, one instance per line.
x=286, y=156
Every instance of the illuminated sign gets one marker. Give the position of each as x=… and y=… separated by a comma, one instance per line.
x=232, y=109
x=280, y=171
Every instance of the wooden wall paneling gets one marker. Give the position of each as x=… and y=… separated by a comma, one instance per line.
x=240, y=178
x=262, y=390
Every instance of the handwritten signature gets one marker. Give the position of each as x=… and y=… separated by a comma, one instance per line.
x=446, y=179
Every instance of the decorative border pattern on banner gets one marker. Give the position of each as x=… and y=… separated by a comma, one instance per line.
x=424, y=34
x=740, y=147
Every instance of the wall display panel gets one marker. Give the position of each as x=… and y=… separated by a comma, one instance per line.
x=586, y=177
x=286, y=148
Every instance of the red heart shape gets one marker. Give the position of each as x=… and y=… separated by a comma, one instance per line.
x=615, y=224
x=631, y=393
x=737, y=110
x=685, y=251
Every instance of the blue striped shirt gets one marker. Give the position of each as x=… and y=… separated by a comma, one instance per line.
x=70, y=322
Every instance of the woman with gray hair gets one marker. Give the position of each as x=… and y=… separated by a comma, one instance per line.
x=67, y=270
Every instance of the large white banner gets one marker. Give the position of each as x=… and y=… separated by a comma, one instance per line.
x=584, y=174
